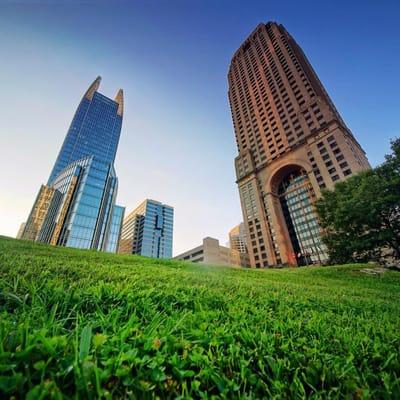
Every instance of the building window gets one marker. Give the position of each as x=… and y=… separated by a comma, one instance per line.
x=340, y=158
x=325, y=157
x=332, y=170
x=335, y=178
x=347, y=172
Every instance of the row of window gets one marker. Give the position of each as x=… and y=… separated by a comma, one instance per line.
x=326, y=156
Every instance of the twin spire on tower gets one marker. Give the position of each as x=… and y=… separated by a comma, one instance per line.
x=119, y=98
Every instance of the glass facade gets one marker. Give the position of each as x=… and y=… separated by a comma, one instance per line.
x=91, y=207
x=94, y=131
x=83, y=213
x=88, y=189
x=156, y=235
x=297, y=200
x=115, y=229
x=148, y=230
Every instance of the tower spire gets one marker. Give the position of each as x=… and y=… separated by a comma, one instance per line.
x=93, y=88
x=119, y=98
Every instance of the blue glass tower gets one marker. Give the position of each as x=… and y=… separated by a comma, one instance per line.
x=77, y=206
x=148, y=230
x=115, y=229
x=94, y=131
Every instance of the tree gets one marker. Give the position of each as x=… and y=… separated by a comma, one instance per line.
x=361, y=216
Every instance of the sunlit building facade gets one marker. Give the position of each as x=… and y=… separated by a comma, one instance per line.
x=148, y=230
x=46, y=203
x=210, y=252
x=292, y=143
x=238, y=238
x=21, y=230
x=77, y=206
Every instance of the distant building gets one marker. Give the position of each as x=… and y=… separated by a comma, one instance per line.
x=148, y=230
x=46, y=203
x=77, y=206
x=238, y=238
x=211, y=253
x=21, y=230
x=291, y=142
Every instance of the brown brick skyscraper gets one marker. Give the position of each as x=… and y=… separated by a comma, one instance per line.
x=292, y=142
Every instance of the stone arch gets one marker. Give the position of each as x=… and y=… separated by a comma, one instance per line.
x=281, y=170
x=289, y=216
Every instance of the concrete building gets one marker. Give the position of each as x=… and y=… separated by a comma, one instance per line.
x=238, y=238
x=21, y=230
x=292, y=142
x=46, y=203
x=148, y=230
x=211, y=253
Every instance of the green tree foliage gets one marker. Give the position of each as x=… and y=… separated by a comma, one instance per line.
x=361, y=216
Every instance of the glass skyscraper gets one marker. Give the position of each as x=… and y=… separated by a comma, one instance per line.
x=94, y=131
x=77, y=206
x=147, y=230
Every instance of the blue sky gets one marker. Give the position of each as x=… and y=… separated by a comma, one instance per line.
x=171, y=58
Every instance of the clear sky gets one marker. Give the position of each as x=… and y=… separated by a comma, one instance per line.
x=171, y=58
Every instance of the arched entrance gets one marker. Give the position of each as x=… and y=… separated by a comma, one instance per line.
x=297, y=197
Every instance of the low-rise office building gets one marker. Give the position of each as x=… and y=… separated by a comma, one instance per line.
x=212, y=253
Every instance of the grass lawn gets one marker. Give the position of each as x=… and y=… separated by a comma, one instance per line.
x=81, y=324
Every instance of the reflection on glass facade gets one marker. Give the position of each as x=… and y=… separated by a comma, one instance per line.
x=115, y=229
x=83, y=213
x=88, y=209
x=297, y=198
x=84, y=210
x=148, y=230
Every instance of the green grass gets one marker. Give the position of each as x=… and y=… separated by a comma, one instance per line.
x=81, y=324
